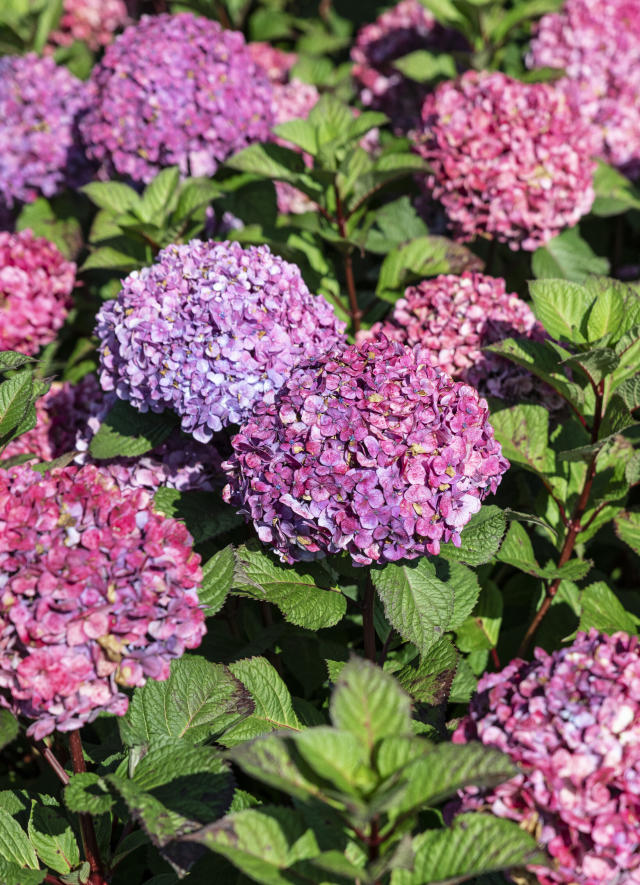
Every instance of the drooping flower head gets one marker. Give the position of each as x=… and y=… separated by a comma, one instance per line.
x=406, y=27
x=97, y=591
x=35, y=291
x=40, y=150
x=93, y=21
x=597, y=44
x=69, y=416
x=509, y=160
x=454, y=317
x=210, y=329
x=571, y=720
x=175, y=90
x=370, y=450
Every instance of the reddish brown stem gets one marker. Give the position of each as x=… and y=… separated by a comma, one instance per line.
x=495, y=658
x=368, y=626
x=89, y=840
x=52, y=760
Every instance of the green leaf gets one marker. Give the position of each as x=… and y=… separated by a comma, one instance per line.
x=52, y=836
x=14, y=844
x=15, y=398
x=606, y=314
x=480, y=538
x=159, y=195
x=108, y=258
x=629, y=390
x=614, y=192
x=517, y=550
x=195, y=193
x=8, y=728
x=112, y=195
x=541, y=359
x=523, y=432
x=302, y=592
x=424, y=256
x=217, y=580
x=203, y=513
x=88, y=792
x=11, y=359
x=299, y=132
x=430, y=682
x=523, y=11
x=198, y=702
x=627, y=526
x=14, y=874
x=596, y=363
x=568, y=257
x=337, y=757
x=481, y=630
x=126, y=432
x=394, y=223
x=47, y=21
x=602, y=609
x=560, y=306
x=475, y=844
x=41, y=218
x=369, y=703
x=423, y=66
x=270, y=160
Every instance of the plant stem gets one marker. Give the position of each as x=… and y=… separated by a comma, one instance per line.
x=52, y=759
x=368, y=627
x=354, y=310
x=89, y=840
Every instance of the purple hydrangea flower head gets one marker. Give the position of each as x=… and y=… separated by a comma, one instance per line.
x=97, y=591
x=509, y=160
x=210, y=329
x=370, y=450
x=40, y=150
x=597, y=44
x=93, y=21
x=454, y=318
x=69, y=416
x=35, y=291
x=175, y=90
x=571, y=721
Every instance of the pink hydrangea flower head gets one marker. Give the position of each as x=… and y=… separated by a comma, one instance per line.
x=454, y=318
x=97, y=591
x=93, y=21
x=571, y=721
x=406, y=27
x=40, y=151
x=509, y=160
x=370, y=450
x=35, y=291
x=175, y=90
x=69, y=416
x=210, y=329
x=598, y=47
x=274, y=62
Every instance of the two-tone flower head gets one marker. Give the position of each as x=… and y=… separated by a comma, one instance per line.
x=510, y=160
x=92, y=21
x=35, y=291
x=175, y=90
x=209, y=330
x=454, y=318
x=68, y=417
x=97, y=592
x=571, y=721
x=370, y=450
x=40, y=149
x=597, y=45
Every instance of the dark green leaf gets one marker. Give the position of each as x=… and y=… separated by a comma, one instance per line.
x=480, y=538
x=52, y=836
x=568, y=257
x=126, y=432
x=602, y=609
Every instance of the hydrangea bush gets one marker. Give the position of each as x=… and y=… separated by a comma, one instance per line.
x=319, y=443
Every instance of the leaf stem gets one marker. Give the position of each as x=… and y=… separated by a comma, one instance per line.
x=50, y=757
x=368, y=626
x=89, y=840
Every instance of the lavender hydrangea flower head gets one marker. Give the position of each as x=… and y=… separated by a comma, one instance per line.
x=93, y=21
x=571, y=720
x=97, y=591
x=69, y=416
x=454, y=318
x=35, y=291
x=175, y=90
x=40, y=150
x=210, y=329
x=510, y=160
x=370, y=450
x=598, y=47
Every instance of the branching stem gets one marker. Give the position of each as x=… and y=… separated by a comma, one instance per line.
x=89, y=840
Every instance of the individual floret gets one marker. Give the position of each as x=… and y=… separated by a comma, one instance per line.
x=509, y=160
x=370, y=450
x=40, y=151
x=93, y=21
x=175, y=90
x=209, y=330
x=35, y=291
x=571, y=721
x=97, y=592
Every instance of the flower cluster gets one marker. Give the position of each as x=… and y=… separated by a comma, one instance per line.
x=571, y=720
x=68, y=417
x=454, y=318
x=40, y=151
x=93, y=21
x=598, y=47
x=370, y=450
x=274, y=62
x=510, y=160
x=175, y=90
x=96, y=591
x=210, y=329
x=35, y=291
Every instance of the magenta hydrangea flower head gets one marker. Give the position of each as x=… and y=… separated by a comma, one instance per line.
x=597, y=44
x=40, y=150
x=175, y=90
x=69, y=416
x=210, y=329
x=406, y=27
x=93, y=21
x=571, y=720
x=35, y=291
x=97, y=591
x=509, y=160
x=454, y=318
x=370, y=450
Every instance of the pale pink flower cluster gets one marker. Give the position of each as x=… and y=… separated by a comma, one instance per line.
x=93, y=21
